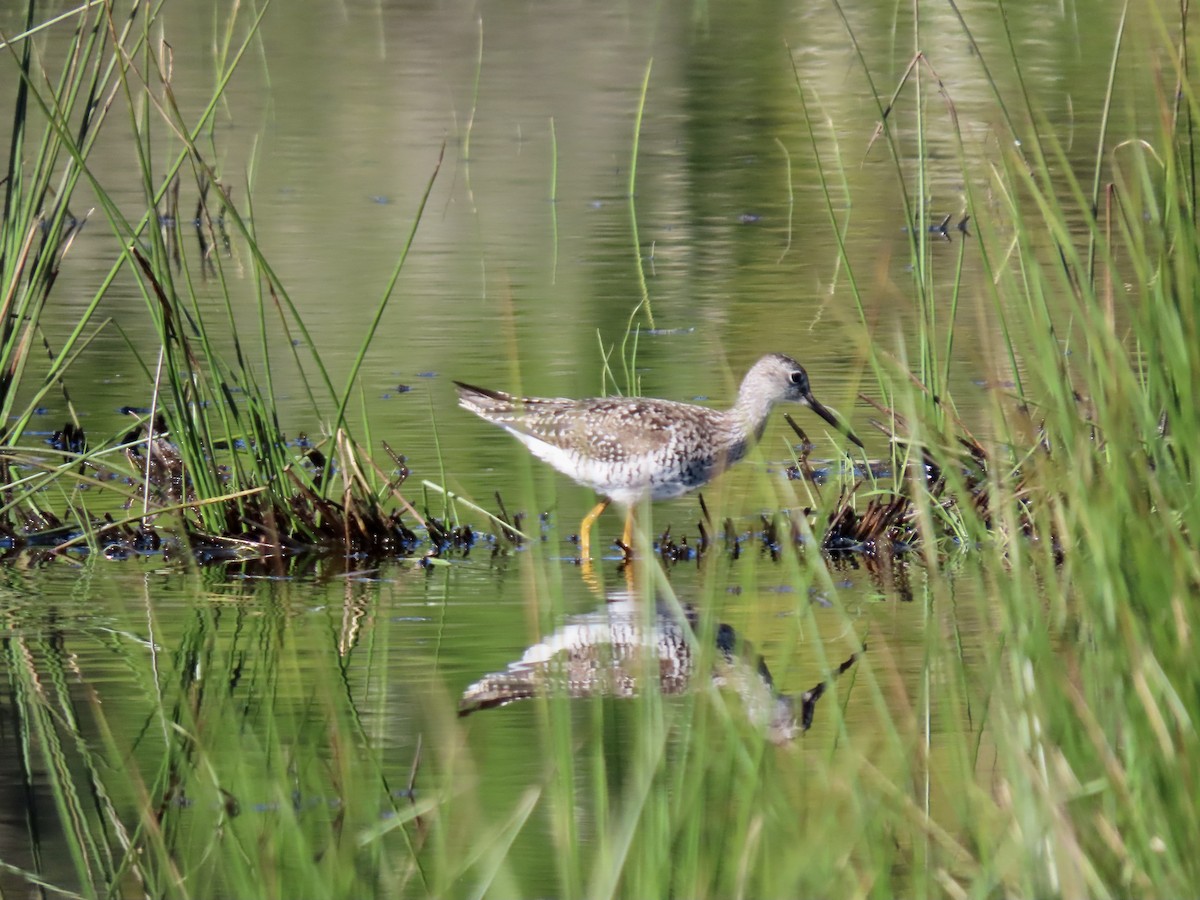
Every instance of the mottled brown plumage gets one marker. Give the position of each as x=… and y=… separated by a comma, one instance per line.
x=618, y=653
x=629, y=448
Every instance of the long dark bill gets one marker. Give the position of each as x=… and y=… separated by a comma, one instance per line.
x=829, y=417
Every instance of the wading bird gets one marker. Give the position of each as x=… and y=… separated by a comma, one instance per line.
x=631, y=448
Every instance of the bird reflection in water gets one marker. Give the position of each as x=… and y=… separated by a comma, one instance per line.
x=610, y=653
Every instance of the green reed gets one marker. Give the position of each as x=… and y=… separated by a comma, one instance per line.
x=54, y=128
x=1093, y=704
x=211, y=381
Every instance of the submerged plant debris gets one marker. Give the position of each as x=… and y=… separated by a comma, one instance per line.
x=293, y=514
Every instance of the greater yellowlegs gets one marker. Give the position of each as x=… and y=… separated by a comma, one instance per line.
x=630, y=448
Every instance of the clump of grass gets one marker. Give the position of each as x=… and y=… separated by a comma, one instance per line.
x=217, y=468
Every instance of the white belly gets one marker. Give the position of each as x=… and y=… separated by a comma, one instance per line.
x=629, y=482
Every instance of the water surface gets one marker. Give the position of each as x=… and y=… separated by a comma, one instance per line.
x=524, y=273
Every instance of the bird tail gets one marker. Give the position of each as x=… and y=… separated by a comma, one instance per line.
x=499, y=689
x=482, y=401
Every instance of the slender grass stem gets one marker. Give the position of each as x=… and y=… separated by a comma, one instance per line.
x=639, y=265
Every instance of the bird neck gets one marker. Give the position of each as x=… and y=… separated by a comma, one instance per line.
x=751, y=412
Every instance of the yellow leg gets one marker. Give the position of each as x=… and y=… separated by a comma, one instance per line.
x=585, y=529
x=591, y=579
x=627, y=535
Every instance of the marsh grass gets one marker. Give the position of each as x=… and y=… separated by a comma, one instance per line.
x=1057, y=760
x=216, y=465
x=1087, y=539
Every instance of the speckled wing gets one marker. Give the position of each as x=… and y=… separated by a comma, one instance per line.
x=607, y=429
x=623, y=447
x=613, y=430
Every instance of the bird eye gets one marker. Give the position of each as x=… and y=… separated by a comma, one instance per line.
x=797, y=378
